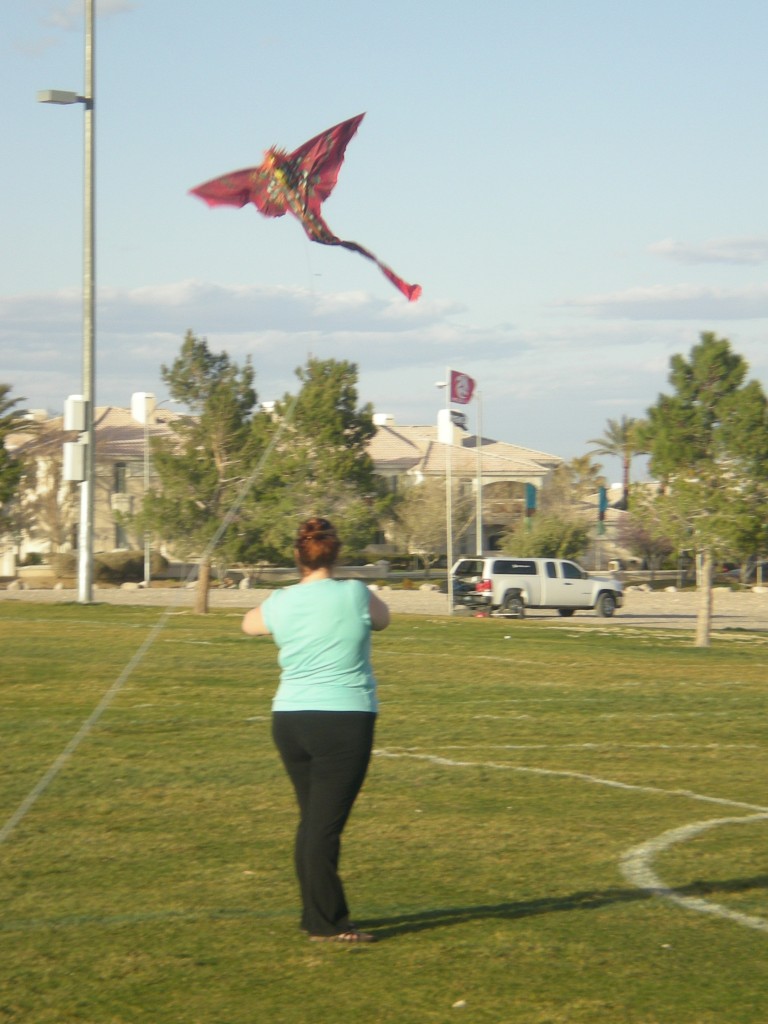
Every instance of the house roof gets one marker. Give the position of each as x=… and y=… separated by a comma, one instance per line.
x=395, y=449
x=118, y=435
x=400, y=449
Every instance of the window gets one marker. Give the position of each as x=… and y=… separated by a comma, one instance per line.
x=121, y=475
x=551, y=570
x=469, y=567
x=572, y=572
x=514, y=567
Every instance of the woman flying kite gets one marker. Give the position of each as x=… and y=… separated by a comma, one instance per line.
x=298, y=183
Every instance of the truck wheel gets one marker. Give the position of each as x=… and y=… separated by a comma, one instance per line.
x=514, y=606
x=606, y=605
x=566, y=612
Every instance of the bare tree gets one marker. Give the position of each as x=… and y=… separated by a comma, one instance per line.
x=422, y=522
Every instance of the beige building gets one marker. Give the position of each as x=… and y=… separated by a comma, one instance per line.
x=407, y=455
x=402, y=455
x=51, y=505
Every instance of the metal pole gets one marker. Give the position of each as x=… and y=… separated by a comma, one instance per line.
x=449, y=493
x=147, y=535
x=479, y=486
x=87, y=488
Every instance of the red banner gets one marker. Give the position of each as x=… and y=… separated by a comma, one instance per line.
x=462, y=388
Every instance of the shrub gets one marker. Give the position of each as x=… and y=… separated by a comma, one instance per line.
x=64, y=563
x=109, y=566
x=125, y=566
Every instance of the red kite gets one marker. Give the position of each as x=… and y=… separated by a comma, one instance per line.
x=298, y=183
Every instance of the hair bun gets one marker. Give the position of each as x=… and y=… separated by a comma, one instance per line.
x=317, y=543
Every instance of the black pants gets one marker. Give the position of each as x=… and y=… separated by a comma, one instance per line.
x=326, y=755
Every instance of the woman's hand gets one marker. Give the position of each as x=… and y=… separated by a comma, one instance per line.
x=379, y=612
x=253, y=623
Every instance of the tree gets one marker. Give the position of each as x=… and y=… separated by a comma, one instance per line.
x=11, y=419
x=647, y=532
x=569, y=485
x=202, y=468
x=547, y=535
x=708, y=443
x=320, y=464
x=622, y=440
x=421, y=518
x=48, y=505
x=559, y=529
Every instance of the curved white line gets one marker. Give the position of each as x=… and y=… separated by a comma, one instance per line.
x=636, y=863
x=636, y=868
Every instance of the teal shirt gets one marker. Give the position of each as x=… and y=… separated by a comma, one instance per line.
x=323, y=631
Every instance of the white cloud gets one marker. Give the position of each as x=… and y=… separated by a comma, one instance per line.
x=747, y=250
x=677, y=302
x=70, y=15
x=139, y=329
x=548, y=387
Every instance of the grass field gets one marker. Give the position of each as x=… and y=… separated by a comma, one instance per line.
x=531, y=786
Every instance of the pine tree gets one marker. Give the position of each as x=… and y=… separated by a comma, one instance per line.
x=203, y=467
x=708, y=443
x=320, y=464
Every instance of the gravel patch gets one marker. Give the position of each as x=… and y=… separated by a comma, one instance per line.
x=660, y=609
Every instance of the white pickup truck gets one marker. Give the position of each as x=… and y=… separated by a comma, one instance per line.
x=507, y=586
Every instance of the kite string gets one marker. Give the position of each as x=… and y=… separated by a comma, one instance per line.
x=59, y=762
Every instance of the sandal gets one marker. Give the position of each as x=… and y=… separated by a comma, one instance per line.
x=347, y=937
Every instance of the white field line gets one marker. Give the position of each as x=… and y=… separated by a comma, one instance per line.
x=636, y=866
x=92, y=720
x=58, y=764
x=636, y=863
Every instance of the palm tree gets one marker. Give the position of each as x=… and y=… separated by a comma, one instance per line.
x=622, y=439
x=585, y=476
x=11, y=419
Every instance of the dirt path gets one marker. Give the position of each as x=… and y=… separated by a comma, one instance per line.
x=746, y=610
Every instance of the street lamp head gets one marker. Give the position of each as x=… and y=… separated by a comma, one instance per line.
x=58, y=96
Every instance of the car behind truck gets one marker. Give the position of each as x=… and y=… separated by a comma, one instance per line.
x=507, y=586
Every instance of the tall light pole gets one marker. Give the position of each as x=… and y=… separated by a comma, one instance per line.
x=85, y=551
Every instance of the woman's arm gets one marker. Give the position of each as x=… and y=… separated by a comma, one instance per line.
x=379, y=612
x=254, y=624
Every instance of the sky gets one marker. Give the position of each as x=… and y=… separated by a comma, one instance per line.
x=579, y=188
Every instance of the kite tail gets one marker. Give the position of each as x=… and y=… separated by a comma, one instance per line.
x=318, y=231
x=410, y=291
